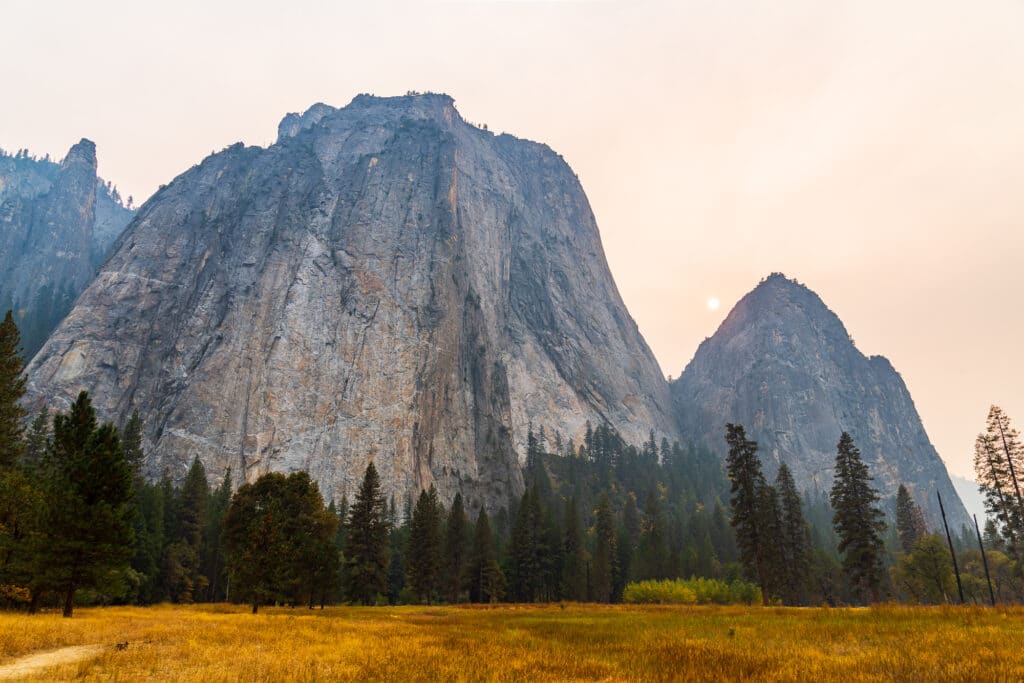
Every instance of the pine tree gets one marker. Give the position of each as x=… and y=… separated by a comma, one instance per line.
x=628, y=542
x=604, y=565
x=999, y=464
x=87, y=522
x=423, y=553
x=12, y=388
x=551, y=556
x=574, y=569
x=455, y=550
x=149, y=542
x=398, y=542
x=1001, y=431
x=484, y=578
x=744, y=470
x=366, y=552
x=212, y=564
x=132, y=436
x=38, y=439
x=994, y=484
x=910, y=525
x=524, y=549
x=794, y=538
x=309, y=529
x=770, y=515
x=858, y=521
x=186, y=582
x=20, y=497
x=255, y=540
x=653, y=541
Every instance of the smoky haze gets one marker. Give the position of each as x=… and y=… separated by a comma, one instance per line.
x=872, y=150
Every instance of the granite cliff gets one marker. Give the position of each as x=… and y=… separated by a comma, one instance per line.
x=58, y=222
x=783, y=365
x=384, y=282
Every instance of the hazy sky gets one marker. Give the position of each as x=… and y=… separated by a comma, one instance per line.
x=874, y=151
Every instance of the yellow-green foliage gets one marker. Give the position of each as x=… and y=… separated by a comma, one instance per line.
x=692, y=592
x=529, y=643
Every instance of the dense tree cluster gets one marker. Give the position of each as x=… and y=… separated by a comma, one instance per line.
x=79, y=523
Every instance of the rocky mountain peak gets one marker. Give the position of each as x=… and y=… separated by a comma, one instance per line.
x=82, y=153
x=783, y=365
x=59, y=222
x=387, y=282
x=436, y=106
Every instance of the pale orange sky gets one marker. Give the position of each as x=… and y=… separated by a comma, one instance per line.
x=874, y=152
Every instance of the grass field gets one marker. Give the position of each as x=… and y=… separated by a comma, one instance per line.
x=535, y=643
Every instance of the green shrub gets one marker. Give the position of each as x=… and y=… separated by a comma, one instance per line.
x=696, y=591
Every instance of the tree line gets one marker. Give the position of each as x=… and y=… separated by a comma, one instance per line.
x=79, y=524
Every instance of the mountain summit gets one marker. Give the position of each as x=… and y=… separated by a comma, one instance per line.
x=59, y=221
x=385, y=282
x=783, y=365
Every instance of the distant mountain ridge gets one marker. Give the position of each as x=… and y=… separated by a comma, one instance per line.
x=58, y=221
x=387, y=281
x=783, y=365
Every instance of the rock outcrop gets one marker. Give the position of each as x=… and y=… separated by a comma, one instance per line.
x=58, y=222
x=384, y=282
x=783, y=365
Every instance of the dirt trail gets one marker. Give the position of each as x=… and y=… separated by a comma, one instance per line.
x=32, y=664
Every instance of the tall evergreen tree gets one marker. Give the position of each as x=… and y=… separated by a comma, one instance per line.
x=1007, y=440
x=423, y=554
x=366, y=552
x=910, y=526
x=653, y=541
x=132, y=437
x=12, y=388
x=574, y=569
x=744, y=470
x=212, y=564
x=398, y=543
x=310, y=529
x=255, y=540
x=88, y=539
x=995, y=485
x=999, y=465
x=770, y=514
x=604, y=568
x=38, y=439
x=484, y=578
x=186, y=583
x=524, y=549
x=628, y=542
x=858, y=521
x=455, y=550
x=794, y=539
x=20, y=497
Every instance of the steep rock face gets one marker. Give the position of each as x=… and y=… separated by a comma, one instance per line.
x=783, y=365
x=386, y=282
x=58, y=222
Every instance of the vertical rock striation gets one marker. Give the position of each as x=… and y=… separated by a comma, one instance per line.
x=783, y=365
x=384, y=282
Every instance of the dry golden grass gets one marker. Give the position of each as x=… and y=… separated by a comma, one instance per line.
x=542, y=643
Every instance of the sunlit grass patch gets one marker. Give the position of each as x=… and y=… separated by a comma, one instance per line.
x=537, y=643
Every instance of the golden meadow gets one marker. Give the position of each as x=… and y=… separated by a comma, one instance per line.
x=534, y=643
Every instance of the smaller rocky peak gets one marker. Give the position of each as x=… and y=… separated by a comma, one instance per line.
x=81, y=154
x=783, y=300
x=294, y=123
x=75, y=186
